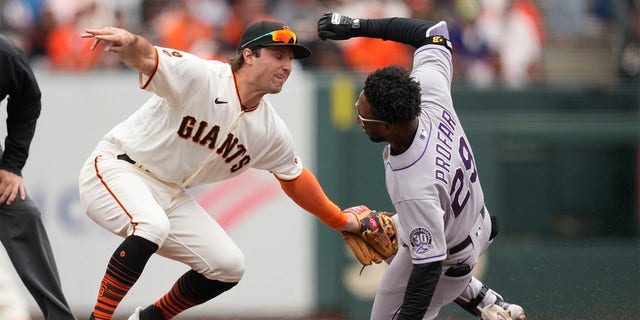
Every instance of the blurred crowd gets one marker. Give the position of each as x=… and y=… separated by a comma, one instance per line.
x=495, y=41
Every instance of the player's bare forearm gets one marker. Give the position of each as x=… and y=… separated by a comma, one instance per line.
x=134, y=50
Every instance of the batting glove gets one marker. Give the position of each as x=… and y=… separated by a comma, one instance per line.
x=337, y=27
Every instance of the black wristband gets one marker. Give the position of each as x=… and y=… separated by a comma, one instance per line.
x=438, y=40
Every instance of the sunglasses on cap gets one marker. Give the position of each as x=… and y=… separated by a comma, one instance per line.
x=284, y=36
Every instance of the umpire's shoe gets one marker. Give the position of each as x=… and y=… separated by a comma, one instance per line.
x=503, y=311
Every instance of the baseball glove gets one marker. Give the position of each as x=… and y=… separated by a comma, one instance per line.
x=377, y=238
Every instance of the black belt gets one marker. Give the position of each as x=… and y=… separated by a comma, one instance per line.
x=460, y=246
x=126, y=158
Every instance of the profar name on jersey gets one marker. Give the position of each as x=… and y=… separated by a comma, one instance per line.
x=446, y=129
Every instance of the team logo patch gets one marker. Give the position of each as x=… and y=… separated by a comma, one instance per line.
x=423, y=135
x=421, y=240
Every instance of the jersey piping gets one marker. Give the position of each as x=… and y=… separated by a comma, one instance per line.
x=155, y=68
x=426, y=145
x=106, y=186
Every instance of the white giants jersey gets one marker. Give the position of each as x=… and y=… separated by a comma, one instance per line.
x=193, y=130
x=434, y=185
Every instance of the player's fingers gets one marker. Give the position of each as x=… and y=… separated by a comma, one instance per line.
x=5, y=193
x=95, y=43
x=23, y=194
x=97, y=31
x=12, y=196
x=92, y=33
x=113, y=47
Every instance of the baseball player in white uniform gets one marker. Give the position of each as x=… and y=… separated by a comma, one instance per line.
x=442, y=223
x=207, y=121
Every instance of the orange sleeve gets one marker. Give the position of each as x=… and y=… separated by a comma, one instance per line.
x=308, y=194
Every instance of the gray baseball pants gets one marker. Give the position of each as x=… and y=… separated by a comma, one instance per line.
x=25, y=239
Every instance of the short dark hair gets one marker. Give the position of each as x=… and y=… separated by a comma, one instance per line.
x=393, y=94
x=238, y=59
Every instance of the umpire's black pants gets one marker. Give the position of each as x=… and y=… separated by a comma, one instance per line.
x=25, y=239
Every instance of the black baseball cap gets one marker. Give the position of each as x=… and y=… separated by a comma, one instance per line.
x=270, y=33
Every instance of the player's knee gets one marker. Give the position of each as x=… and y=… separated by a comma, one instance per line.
x=24, y=210
x=229, y=269
x=233, y=266
x=155, y=231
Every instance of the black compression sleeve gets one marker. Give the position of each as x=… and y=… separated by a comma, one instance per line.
x=420, y=289
x=405, y=30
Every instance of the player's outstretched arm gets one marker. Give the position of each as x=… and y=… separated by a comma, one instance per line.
x=336, y=26
x=306, y=191
x=134, y=50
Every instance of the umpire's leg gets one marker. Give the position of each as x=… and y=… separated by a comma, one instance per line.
x=23, y=235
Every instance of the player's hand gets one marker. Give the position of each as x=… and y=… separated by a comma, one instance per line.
x=117, y=39
x=336, y=26
x=352, y=225
x=10, y=185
